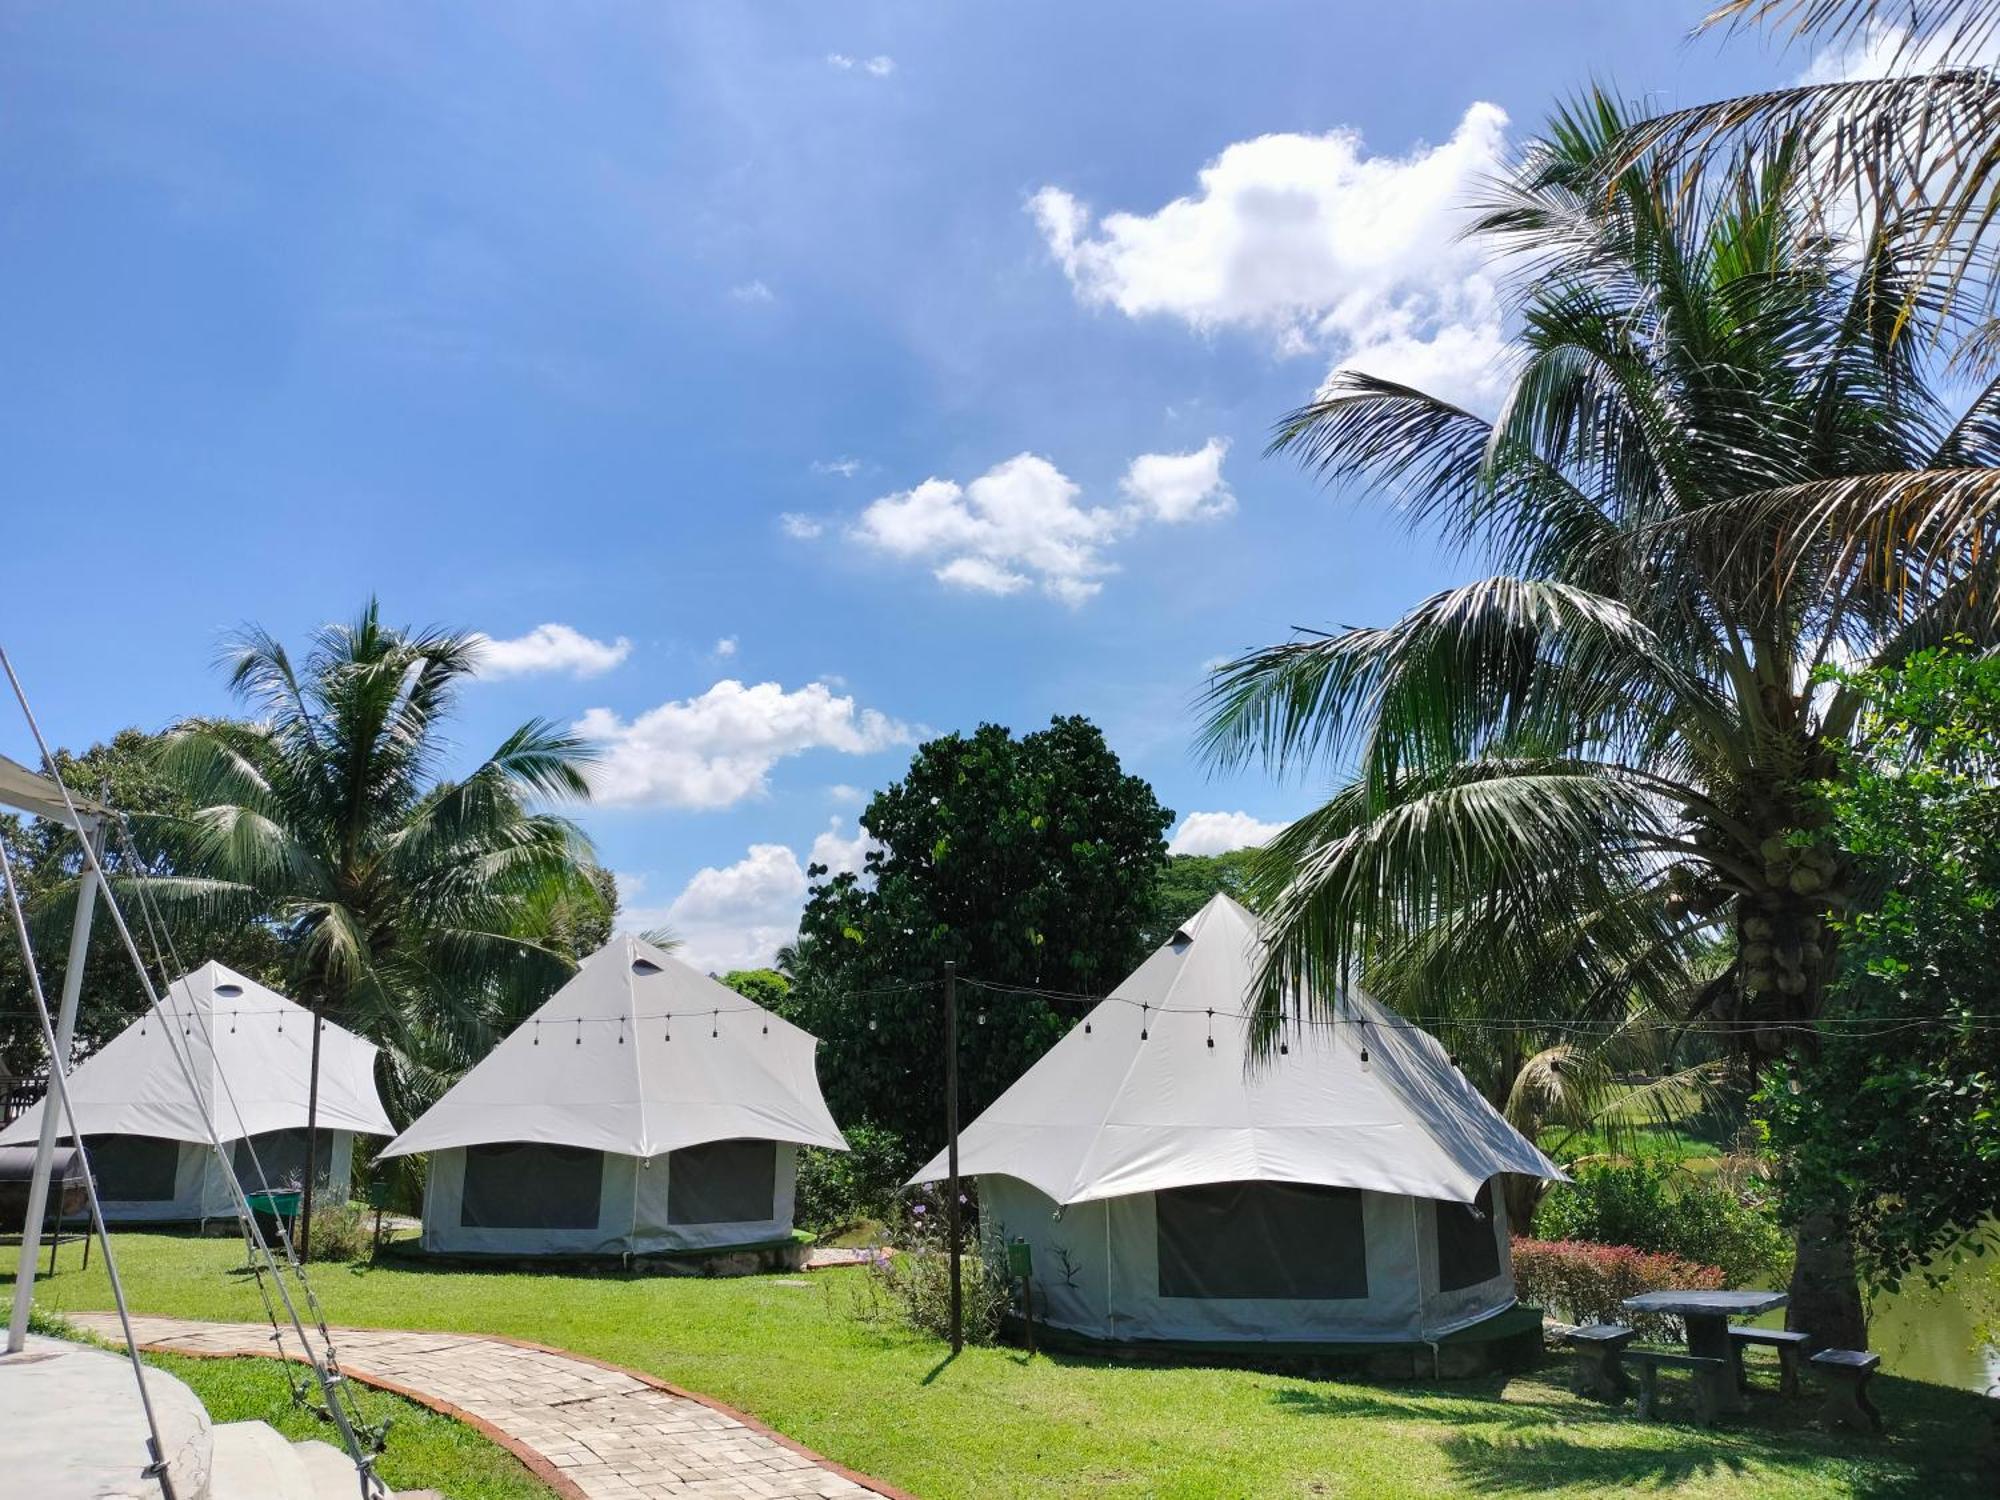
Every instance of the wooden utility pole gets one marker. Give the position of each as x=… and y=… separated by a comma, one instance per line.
x=952, y=1215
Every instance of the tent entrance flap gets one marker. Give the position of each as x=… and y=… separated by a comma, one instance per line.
x=722, y=1182
x=1468, y=1253
x=527, y=1185
x=282, y=1155
x=1261, y=1240
x=135, y=1168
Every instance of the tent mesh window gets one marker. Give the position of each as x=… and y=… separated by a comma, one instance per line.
x=282, y=1155
x=1279, y=1241
x=134, y=1168
x=722, y=1182
x=527, y=1185
x=1468, y=1250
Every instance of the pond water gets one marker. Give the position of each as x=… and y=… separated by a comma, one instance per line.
x=1948, y=1335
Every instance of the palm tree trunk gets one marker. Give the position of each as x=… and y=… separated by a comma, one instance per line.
x=312, y=1144
x=1826, y=1291
x=1522, y=1195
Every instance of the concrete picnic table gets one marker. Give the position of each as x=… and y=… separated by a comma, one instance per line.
x=1707, y=1316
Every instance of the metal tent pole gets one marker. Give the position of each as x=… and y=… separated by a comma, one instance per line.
x=38, y=1187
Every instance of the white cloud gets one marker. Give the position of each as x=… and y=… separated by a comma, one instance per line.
x=845, y=467
x=840, y=854
x=799, y=527
x=1020, y=525
x=753, y=292
x=737, y=916
x=842, y=792
x=1176, y=487
x=726, y=647
x=879, y=66
x=732, y=916
x=717, y=749
x=550, y=648
x=1319, y=245
x=1220, y=832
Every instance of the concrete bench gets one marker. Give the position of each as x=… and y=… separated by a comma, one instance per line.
x=1847, y=1373
x=1599, y=1370
x=1791, y=1349
x=1709, y=1380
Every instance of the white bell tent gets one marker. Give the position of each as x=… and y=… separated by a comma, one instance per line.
x=149, y=1139
x=1172, y=1188
x=643, y=1109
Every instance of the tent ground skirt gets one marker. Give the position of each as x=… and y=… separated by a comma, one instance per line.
x=766, y=1258
x=1506, y=1341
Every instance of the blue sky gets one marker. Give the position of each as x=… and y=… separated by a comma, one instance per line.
x=821, y=375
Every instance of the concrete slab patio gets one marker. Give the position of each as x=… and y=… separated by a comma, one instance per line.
x=591, y=1431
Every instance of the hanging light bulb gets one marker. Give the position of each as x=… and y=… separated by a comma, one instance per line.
x=873, y=1024
x=715, y=1023
x=982, y=1015
x=1142, y=1022
x=1086, y=1028
x=1211, y=1030
x=538, y=1032
x=1364, y=1054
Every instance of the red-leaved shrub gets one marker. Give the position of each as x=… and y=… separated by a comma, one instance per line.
x=1584, y=1283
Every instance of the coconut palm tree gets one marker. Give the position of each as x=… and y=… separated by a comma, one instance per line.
x=1605, y=754
x=413, y=907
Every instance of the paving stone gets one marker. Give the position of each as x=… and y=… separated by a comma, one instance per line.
x=607, y=1434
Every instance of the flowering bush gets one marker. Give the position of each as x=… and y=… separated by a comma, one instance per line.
x=1655, y=1205
x=1585, y=1283
x=914, y=1286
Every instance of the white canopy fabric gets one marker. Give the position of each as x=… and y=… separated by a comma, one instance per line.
x=229, y=1027
x=1136, y=1100
x=29, y=792
x=640, y=1055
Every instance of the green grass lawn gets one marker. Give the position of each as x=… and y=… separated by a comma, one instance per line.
x=995, y=1424
x=424, y=1449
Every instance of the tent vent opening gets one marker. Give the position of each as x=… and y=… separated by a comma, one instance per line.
x=228, y=991
x=1181, y=941
x=645, y=966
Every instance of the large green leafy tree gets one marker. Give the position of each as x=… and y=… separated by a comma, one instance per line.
x=422, y=910
x=1027, y=862
x=1565, y=774
x=1188, y=882
x=123, y=773
x=1912, y=1045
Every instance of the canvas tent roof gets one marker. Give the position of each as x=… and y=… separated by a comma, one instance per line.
x=641, y=1055
x=32, y=793
x=1106, y=1113
x=229, y=1026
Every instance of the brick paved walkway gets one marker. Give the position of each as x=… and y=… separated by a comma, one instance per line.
x=592, y=1431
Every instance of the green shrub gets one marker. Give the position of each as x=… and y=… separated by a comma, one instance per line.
x=342, y=1231
x=1585, y=1283
x=837, y=1188
x=1656, y=1207
x=914, y=1286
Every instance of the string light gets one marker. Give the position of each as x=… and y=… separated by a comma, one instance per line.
x=1211, y=1031
x=538, y=1031
x=1142, y=1023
